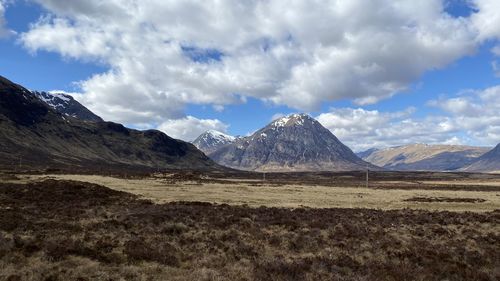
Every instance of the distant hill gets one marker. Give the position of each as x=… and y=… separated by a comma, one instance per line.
x=293, y=143
x=489, y=162
x=366, y=153
x=212, y=140
x=424, y=157
x=36, y=136
x=67, y=105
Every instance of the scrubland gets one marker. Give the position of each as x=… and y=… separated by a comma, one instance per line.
x=73, y=230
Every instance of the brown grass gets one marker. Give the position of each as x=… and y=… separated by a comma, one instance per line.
x=257, y=193
x=63, y=230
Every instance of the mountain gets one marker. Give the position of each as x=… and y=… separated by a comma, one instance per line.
x=426, y=157
x=366, y=153
x=489, y=162
x=35, y=136
x=293, y=143
x=67, y=105
x=212, y=140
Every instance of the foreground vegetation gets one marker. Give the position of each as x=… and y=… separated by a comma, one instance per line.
x=458, y=194
x=64, y=230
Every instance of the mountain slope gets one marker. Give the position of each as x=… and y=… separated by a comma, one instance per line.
x=293, y=143
x=489, y=162
x=425, y=157
x=67, y=105
x=212, y=140
x=34, y=135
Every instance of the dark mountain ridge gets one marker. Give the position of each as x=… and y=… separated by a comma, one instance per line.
x=35, y=136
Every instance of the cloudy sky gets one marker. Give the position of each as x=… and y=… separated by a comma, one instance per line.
x=376, y=73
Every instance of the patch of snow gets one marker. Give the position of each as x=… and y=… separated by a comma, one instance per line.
x=219, y=135
x=54, y=100
x=298, y=118
x=282, y=121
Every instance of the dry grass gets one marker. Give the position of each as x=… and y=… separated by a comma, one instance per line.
x=255, y=193
x=64, y=230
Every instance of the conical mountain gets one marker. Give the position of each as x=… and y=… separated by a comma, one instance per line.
x=293, y=143
x=489, y=162
x=33, y=135
x=212, y=140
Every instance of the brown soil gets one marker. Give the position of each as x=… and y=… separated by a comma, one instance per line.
x=63, y=230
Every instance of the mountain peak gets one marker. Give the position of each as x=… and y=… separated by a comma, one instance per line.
x=211, y=140
x=67, y=105
x=293, y=119
x=218, y=134
x=296, y=142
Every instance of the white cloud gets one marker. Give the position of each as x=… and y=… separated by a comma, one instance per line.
x=471, y=117
x=487, y=18
x=297, y=53
x=189, y=127
x=362, y=129
x=4, y=31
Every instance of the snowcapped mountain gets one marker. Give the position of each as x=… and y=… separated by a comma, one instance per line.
x=212, y=140
x=424, y=157
x=292, y=143
x=67, y=105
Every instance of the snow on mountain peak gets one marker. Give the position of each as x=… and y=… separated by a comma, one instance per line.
x=219, y=135
x=54, y=100
x=296, y=118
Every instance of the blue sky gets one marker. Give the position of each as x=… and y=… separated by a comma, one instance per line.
x=190, y=82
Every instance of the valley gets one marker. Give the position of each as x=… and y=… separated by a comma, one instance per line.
x=84, y=199
x=386, y=191
x=194, y=226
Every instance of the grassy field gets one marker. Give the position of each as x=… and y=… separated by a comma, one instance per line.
x=87, y=227
x=484, y=195
x=67, y=230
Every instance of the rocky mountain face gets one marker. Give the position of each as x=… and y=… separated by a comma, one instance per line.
x=488, y=162
x=67, y=105
x=424, y=157
x=212, y=140
x=35, y=136
x=293, y=143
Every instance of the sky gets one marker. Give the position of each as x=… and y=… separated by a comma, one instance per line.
x=376, y=73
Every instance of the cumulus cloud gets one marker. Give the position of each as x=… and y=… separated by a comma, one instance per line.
x=470, y=117
x=189, y=127
x=163, y=55
x=480, y=118
x=362, y=129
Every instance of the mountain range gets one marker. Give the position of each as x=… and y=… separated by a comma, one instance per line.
x=292, y=143
x=36, y=133
x=419, y=157
x=40, y=130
